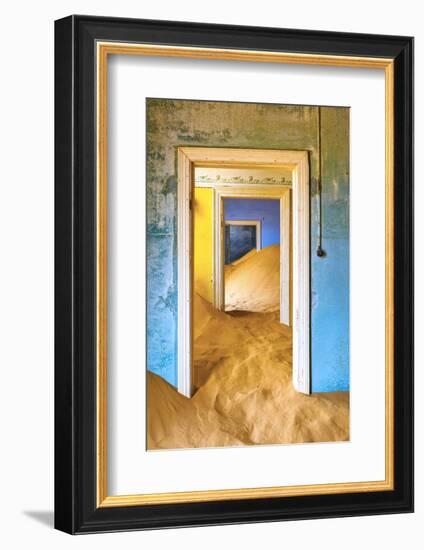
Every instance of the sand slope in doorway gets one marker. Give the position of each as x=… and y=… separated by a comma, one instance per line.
x=252, y=283
x=245, y=395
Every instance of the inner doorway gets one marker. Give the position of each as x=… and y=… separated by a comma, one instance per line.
x=241, y=236
x=252, y=259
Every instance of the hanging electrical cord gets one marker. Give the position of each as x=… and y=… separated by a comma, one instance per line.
x=320, y=251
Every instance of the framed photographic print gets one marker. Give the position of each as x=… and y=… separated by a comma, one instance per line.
x=233, y=274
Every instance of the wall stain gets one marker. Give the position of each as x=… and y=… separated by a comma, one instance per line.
x=174, y=123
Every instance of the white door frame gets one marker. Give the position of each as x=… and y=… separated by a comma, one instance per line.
x=298, y=162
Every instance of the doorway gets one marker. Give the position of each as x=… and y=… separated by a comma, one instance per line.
x=251, y=276
x=241, y=236
x=273, y=205
x=209, y=242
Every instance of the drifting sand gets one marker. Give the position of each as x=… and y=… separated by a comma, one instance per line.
x=252, y=283
x=242, y=365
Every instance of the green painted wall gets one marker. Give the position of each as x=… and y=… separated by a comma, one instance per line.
x=173, y=123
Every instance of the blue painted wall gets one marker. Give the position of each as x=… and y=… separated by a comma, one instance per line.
x=266, y=210
x=330, y=273
x=173, y=123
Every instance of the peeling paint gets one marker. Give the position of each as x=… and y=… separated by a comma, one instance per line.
x=173, y=123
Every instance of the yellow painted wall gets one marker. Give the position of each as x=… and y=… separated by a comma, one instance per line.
x=203, y=242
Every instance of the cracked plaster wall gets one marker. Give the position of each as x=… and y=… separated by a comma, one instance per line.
x=174, y=123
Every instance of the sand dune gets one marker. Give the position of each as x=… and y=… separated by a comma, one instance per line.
x=252, y=283
x=242, y=374
x=242, y=366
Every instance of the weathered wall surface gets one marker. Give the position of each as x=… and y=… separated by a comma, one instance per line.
x=173, y=123
x=330, y=273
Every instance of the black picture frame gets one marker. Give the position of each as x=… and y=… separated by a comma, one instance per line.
x=75, y=275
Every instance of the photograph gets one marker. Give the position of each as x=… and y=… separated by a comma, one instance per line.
x=208, y=287
x=245, y=296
